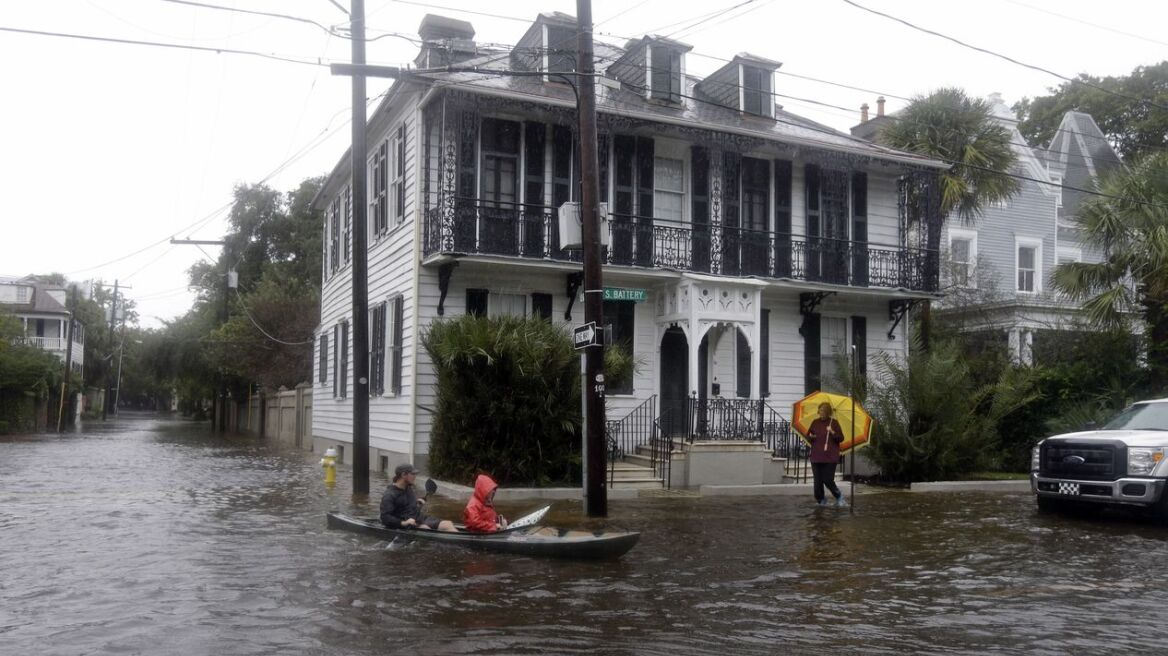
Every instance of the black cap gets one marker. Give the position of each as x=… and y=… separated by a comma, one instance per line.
x=403, y=469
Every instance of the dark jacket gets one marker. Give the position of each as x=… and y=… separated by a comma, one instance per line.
x=398, y=505
x=479, y=516
x=825, y=442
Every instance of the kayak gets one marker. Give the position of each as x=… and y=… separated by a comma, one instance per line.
x=524, y=541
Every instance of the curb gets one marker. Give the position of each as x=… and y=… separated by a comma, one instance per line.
x=1014, y=487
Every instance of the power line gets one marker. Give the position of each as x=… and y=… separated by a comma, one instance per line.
x=688, y=31
x=1088, y=23
x=1005, y=57
x=243, y=306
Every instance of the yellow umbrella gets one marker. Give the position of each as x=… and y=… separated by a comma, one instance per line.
x=806, y=410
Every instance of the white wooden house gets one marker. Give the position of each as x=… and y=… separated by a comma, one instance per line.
x=748, y=247
x=43, y=312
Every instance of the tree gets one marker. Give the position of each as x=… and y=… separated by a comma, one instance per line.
x=1125, y=115
x=950, y=126
x=27, y=374
x=1129, y=224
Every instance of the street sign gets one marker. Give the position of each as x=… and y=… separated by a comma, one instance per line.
x=625, y=294
x=586, y=335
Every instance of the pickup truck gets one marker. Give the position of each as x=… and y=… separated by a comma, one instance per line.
x=1122, y=464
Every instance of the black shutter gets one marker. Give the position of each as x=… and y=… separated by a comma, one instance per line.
x=336, y=359
x=396, y=380
x=810, y=353
x=377, y=350
x=644, y=237
x=860, y=229
x=541, y=306
x=561, y=165
x=782, y=218
x=764, y=359
x=476, y=302
x=813, y=246
x=464, y=214
x=324, y=346
x=533, y=178
x=602, y=162
x=742, y=370
x=624, y=150
x=344, y=359
x=860, y=341
x=700, y=208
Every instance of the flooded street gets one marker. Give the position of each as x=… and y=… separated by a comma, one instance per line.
x=149, y=536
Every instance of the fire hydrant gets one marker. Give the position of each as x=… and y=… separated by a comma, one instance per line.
x=329, y=462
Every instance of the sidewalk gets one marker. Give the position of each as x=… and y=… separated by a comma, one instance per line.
x=463, y=492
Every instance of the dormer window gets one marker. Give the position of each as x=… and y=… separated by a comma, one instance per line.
x=664, y=74
x=560, y=49
x=756, y=91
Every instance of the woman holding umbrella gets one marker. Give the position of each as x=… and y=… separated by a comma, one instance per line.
x=826, y=435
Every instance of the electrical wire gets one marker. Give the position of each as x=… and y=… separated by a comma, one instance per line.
x=1005, y=57
x=243, y=306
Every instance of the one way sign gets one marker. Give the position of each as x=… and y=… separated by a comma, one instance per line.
x=586, y=335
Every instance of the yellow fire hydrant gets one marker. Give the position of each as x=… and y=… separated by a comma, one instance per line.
x=329, y=462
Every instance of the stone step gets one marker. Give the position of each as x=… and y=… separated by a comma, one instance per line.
x=638, y=483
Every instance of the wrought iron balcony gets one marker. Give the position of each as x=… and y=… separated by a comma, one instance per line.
x=475, y=227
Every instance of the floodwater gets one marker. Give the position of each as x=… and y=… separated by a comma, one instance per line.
x=150, y=536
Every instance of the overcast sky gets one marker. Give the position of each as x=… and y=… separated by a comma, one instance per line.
x=108, y=150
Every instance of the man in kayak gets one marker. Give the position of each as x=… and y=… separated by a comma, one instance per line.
x=401, y=508
x=479, y=515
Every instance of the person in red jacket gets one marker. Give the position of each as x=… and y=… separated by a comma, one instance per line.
x=826, y=435
x=479, y=515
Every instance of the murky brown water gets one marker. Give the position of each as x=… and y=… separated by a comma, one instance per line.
x=148, y=536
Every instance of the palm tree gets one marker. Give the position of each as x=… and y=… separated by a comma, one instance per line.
x=1128, y=222
x=950, y=126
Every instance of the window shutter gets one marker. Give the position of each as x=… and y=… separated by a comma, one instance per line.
x=731, y=239
x=561, y=165
x=476, y=302
x=811, y=188
x=624, y=150
x=700, y=207
x=860, y=228
x=742, y=370
x=782, y=218
x=336, y=359
x=397, y=319
x=541, y=306
x=764, y=360
x=644, y=236
x=324, y=346
x=810, y=353
x=344, y=377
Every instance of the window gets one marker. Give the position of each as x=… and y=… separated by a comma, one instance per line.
x=508, y=305
x=668, y=188
x=378, y=179
x=742, y=364
x=541, y=306
x=398, y=175
x=619, y=320
x=377, y=350
x=833, y=342
x=500, y=177
x=561, y=51
x=348, y=223
x=755, y=193
x=963, y=257
x=665, y=74
x=397, y=306
x=324, y=345
x=1029, y=258
x=756, y=91
x=476, y=302
x=21, y=294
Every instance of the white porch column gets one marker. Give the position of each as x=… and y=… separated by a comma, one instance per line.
x=695, y=343
x=1014, y=338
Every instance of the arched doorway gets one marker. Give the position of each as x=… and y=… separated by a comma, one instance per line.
x=674, y=381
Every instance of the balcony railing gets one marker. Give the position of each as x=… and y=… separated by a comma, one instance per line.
x=49, y=343
x=529, y=231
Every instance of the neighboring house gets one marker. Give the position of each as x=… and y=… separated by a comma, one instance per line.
x=43, y=314
x=997, y=269
x=748, y=248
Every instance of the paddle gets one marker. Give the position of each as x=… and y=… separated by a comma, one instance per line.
x=528, y=520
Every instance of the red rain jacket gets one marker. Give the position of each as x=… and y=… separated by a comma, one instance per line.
x=826, y=437
x=479, y=516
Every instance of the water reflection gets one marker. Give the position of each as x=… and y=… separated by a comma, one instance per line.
x=150, y=536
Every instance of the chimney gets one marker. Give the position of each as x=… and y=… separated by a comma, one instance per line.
x=864, y=113
x=880, y=107
x=445, y=41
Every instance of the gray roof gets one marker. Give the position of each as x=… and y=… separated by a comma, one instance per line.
x=1081, y=153
x=40, y=302
x=785, y=128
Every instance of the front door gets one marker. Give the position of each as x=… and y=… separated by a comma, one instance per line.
x=674, y=381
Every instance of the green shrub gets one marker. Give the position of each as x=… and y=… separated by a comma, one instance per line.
x=934, y=421
x=508, y=400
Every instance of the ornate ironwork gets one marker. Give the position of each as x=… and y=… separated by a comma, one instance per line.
x=575, y=279
x=444, y=274
x=715, y=213
x=898, y=309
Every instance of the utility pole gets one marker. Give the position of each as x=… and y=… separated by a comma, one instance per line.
x=595, y=492
x=68, y=359
x=219, y=413
x=360, y=290
x=121, y=353
x=108, y=387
